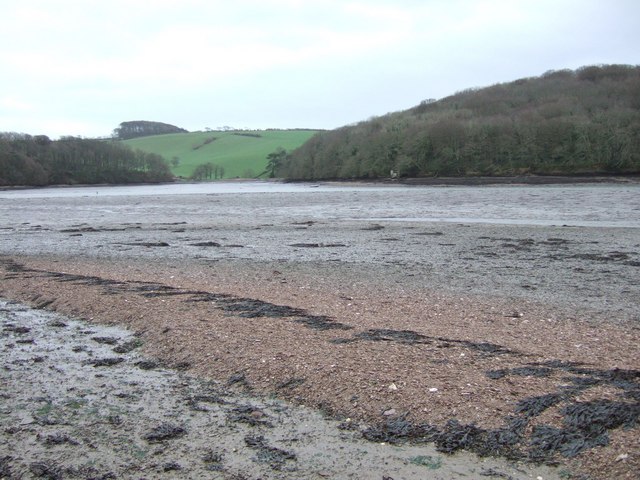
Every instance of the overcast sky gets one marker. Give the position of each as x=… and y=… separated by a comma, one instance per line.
x=82, y=67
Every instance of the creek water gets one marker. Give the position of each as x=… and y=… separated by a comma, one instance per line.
x=586, y=205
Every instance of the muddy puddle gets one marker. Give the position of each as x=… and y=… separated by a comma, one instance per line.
x=80, y=400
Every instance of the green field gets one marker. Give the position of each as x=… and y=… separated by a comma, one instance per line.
x=242, y=154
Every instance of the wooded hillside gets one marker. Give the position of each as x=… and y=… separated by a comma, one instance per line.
x=563, y=122
x=37, y=160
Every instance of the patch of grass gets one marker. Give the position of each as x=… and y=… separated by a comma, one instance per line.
x=241, y=154
x=76, y=404
x=432, y=463
x=139, y=452
x=45, y=410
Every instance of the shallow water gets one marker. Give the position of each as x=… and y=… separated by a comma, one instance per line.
x=588, y=205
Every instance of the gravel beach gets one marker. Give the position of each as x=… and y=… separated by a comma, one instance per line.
x=515, y=340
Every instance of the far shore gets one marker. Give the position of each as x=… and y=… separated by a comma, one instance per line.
x=421, y=181
x=507, y=180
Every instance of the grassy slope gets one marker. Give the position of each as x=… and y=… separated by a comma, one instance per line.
x=238, y=154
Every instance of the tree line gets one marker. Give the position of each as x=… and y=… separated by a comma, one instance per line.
x=38, y=161
x=144, y=128
x=561, y=123
x=207, y=171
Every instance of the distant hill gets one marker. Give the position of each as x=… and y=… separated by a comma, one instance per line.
x=144, y=128
x=564, y=122
x=239, y=153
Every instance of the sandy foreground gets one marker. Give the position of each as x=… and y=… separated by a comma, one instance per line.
x=515, y=343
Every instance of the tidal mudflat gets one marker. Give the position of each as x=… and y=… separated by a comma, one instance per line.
x=501, y=321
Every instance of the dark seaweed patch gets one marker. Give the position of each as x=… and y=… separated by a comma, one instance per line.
x=529, y=371
x=585, y=424
x=88, y=472
x=182, y=366
x=59, y=439
x=105, y=340
x=608, y=257
x=16, y=329
x=250, y=308
x=399, y=430
x=388, y=335
x=409, y=337
x=57, y=324
x=79, y=230
x=213, y=460
x=238, y=378
x=274, y=456
x=483, y=347
x=106, y=362
x=320, y=322
x=248, y=415
x=457, y=436
x=209, y=297
x=290, y=383
x=492, y=472
x=195, y=402
x=164, y=431
x=317, y=245
x=496, y=374
x=534, y=406
x=206, y=244
x=159, y=290
x=209, y=399
x=42, y=304
x=147, y=364
x=601, y=414
x=171, y=467
x=46, y=470
x=5, y=466
x=128, y=346
x=148, y=244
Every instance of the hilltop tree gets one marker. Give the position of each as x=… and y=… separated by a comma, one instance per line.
x=143, y=128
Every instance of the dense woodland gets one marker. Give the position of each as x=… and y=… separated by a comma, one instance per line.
x=144, y=128
x=37, y=160
x=564, y=122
